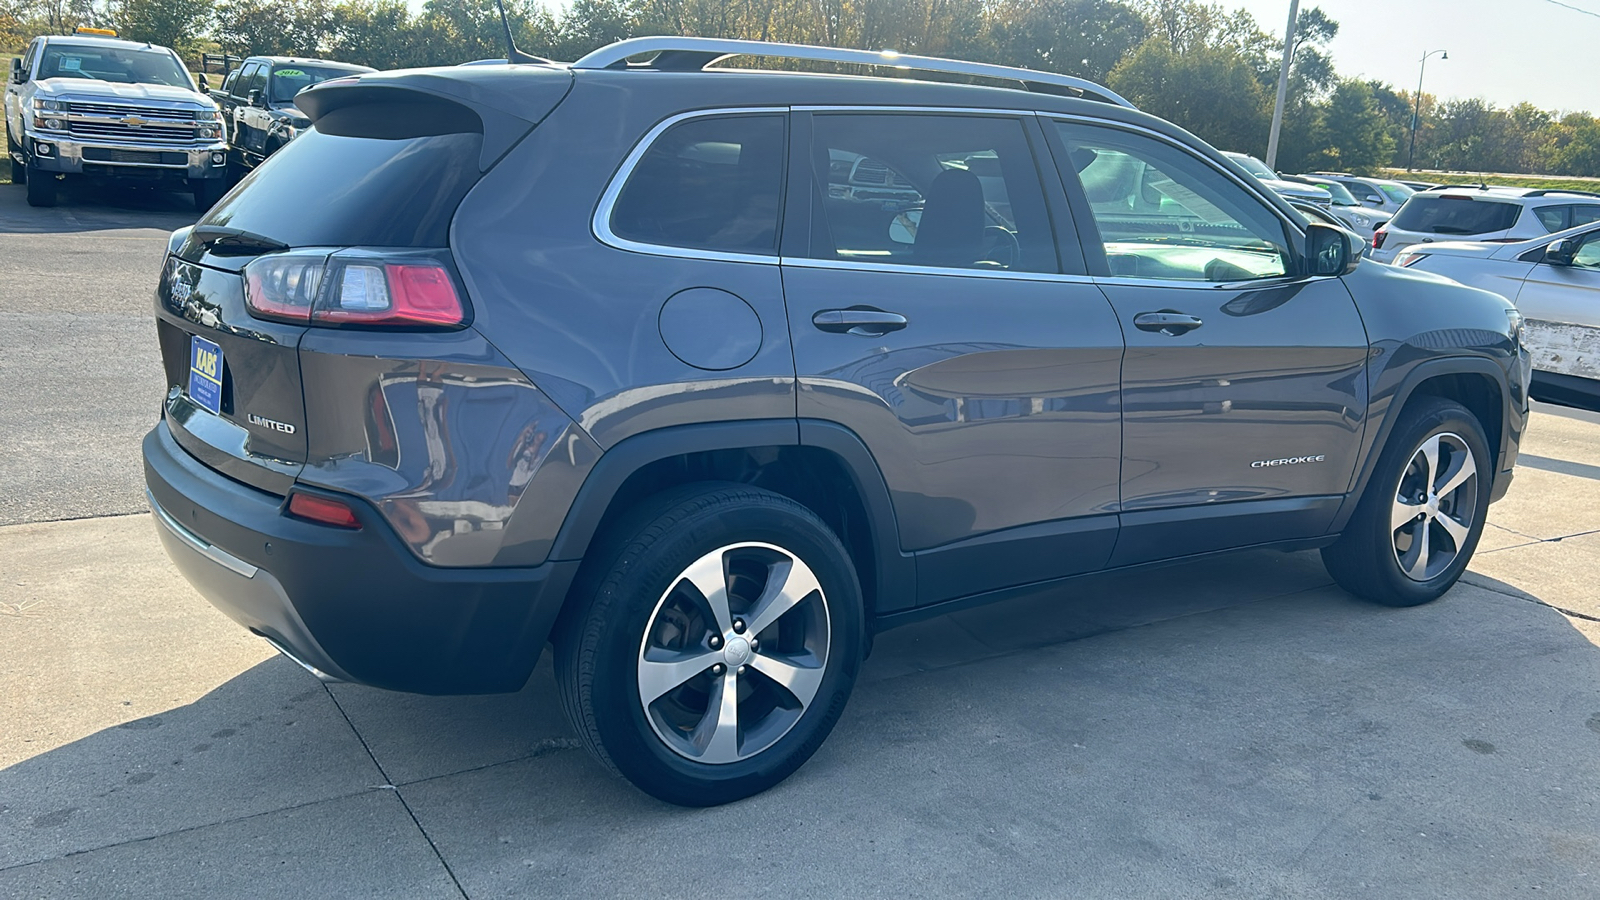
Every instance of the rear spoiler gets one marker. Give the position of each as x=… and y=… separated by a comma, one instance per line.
x=502, y=103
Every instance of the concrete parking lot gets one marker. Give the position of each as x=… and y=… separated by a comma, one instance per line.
x=1232, y=727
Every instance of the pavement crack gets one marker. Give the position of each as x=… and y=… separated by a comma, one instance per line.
x=1529, y=598
x=388, y=784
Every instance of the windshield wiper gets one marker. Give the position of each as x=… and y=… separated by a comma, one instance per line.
x=221, y=240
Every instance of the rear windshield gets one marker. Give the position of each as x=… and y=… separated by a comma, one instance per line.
x=1455, y=215
x=326, y=190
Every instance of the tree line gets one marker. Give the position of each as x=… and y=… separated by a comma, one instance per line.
x=1211, y=71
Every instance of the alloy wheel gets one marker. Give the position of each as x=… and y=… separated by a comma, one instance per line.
x=734, y=653
x=1434, y=506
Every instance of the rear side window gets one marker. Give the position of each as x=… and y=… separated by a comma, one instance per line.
x=1553, y=218
x=1455, y=215
x=707, y=184
x=403, y=194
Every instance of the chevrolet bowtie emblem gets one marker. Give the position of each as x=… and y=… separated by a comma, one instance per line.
x=133, y=121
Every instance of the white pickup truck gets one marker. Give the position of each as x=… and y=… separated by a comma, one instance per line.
x=90, y=106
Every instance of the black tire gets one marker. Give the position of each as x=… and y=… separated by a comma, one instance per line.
x=207, y=191
x=41, y=188
x=632, y=592
x=1367, y=559
x=19, y=171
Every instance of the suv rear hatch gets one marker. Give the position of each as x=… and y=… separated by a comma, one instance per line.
x=346, y=227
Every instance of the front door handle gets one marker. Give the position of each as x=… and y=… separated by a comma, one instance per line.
x=1168, y=322
x=865, y=321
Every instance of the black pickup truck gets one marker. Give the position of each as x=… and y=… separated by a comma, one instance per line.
x=257, y=104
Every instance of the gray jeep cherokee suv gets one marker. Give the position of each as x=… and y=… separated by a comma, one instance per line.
x=706, y=375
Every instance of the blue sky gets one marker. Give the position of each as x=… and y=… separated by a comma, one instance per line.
x=1504, y=51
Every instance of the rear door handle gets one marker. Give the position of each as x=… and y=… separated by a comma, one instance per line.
x=1167, y=321
x=865, y=321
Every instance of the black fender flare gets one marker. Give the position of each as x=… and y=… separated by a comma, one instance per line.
x=894, y=580
x=1396, y=402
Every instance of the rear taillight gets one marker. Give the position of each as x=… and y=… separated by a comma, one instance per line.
x=359, y=289
x=1378, y=238
x=323, y=510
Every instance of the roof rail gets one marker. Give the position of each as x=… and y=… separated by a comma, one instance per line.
x=690, y=54
x=1545, y=191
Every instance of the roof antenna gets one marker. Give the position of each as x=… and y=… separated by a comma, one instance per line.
x=513, y=55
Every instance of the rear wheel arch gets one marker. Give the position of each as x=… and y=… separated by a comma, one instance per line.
x=831, y=473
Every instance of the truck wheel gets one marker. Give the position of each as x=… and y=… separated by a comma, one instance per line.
x=41, y=188
x=1419, y=520
x=207, y=191
x=19, y=171
x=716, y=637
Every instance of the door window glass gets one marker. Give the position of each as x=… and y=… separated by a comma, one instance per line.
x=1553, y=218
x=707, y=184
x=949, y=191
x=254, y=79
x=227, y=83
x=1583, y=215
x=1588, y=256
x=1164, y=213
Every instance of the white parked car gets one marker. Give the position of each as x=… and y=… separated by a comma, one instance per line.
x=1495, y=214
x=1555, y=282
x=1287, y=189
x=1373, y=193
x=1356, y=217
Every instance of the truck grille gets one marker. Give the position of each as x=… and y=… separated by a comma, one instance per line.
x=145, y=134
x=118, y=111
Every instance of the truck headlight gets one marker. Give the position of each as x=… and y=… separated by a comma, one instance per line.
x=206, y=115
x=42, y=105
x=208, y=131
x=52, y=124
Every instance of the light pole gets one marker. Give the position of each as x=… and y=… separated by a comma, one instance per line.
x=1283, y=86
x=1416, y=112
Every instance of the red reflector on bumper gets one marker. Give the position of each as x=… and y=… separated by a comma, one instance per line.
x=322, y=510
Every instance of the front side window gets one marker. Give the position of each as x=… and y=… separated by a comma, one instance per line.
x=134, y=65
x=1164, y=213
x=707, y=184
x=1588, y=255
x=948, y=191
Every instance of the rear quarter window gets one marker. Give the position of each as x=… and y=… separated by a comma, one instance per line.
x=707, y=184
x=1455, y=215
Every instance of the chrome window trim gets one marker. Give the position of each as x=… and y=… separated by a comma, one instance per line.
x=600, y=222
x=806, y=262
x=922, y=110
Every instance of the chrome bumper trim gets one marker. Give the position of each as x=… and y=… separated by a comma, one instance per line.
x=215, y=554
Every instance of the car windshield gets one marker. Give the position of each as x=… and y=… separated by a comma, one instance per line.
x=1254, y=166
x=291, y=80
x=130, y=65
x=1399, y=193
x=1341, y=194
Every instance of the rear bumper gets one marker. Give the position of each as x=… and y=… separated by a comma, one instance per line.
x=349, y=605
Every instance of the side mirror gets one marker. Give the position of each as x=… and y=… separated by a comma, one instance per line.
x=1560, y=253
x=254, y=98
x=1331, y=251
x=205, y=85
x=16, y=69
x=903, y=230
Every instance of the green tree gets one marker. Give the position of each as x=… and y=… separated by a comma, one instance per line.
x=1355, y=132
x=169, y=23
x=1057, y=35
x=1212, y=91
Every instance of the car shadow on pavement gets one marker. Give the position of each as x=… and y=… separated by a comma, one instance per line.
x=92, y=207
x=1291, y=741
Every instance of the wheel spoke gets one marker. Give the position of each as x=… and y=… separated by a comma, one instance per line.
x=1404, y=513
x=788, y=583
x=1418, y=565
x=1430, y=452
x=718, y=732
x=800, y=681
x=709, y=578
x=1456, y=530
x=656, y=677
x=1463, y=469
